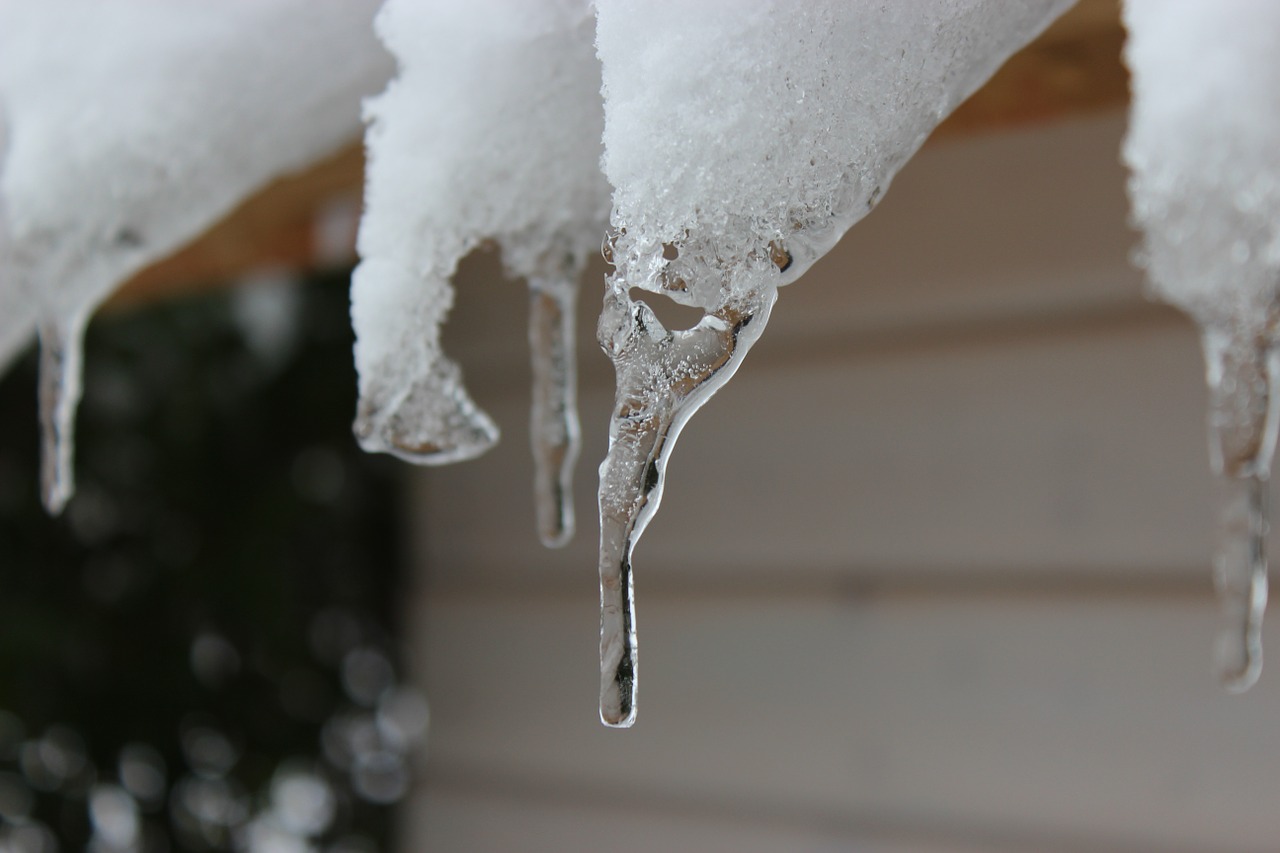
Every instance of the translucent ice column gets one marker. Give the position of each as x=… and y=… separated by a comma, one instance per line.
x=491, y=131
x=1202, y=147
x=742, y=138
x=134, y=125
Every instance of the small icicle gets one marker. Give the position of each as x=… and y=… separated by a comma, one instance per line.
x=662, y=379
x=553, y=431
x=433, y=421
x=1243, y=418
x=61, y=365
x=1240, y=576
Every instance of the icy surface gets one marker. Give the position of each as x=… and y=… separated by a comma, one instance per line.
x=742, y=139
x=1205, y=189
x=491, y=131
x=132, y=126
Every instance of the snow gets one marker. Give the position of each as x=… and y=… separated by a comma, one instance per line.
x=1202, y=149
x=491, y=131
x=133, y=126
x=741, y=123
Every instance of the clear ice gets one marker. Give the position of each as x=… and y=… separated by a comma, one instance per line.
x=491, y=131
x=742, y=139
x=61, y=369
x=133, y=126
x=1205, y=191
x=554, y=432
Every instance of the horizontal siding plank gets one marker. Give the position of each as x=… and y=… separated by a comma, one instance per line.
x=1047, y=718
x=443, y=820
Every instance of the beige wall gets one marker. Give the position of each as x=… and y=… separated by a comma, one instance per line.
x=931, y=573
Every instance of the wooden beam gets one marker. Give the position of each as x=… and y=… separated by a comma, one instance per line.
x=1073, y=69
x=304, y=222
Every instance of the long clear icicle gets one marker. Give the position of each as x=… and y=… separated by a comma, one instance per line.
x=663, y=377
x=1244, y=413
x=554, y=433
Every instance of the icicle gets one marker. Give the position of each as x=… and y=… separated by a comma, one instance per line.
x=738, y=158
x=1244, y=413
x=61, y=368
x=1205, y=189
x=663, y=377
x=553, y=432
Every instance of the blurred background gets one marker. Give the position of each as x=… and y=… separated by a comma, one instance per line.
x=931, y=574
x=202, y=652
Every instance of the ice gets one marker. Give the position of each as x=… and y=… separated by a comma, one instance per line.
x=61, y=368
x=1205, y=190
x=554, y=432
x=742, y=138
x=132, y=126
x=506, y=149
x=490, y=132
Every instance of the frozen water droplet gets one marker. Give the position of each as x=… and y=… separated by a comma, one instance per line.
x=663, y=378
x=554, y=432
x=61, y=367
x=1244, y=414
